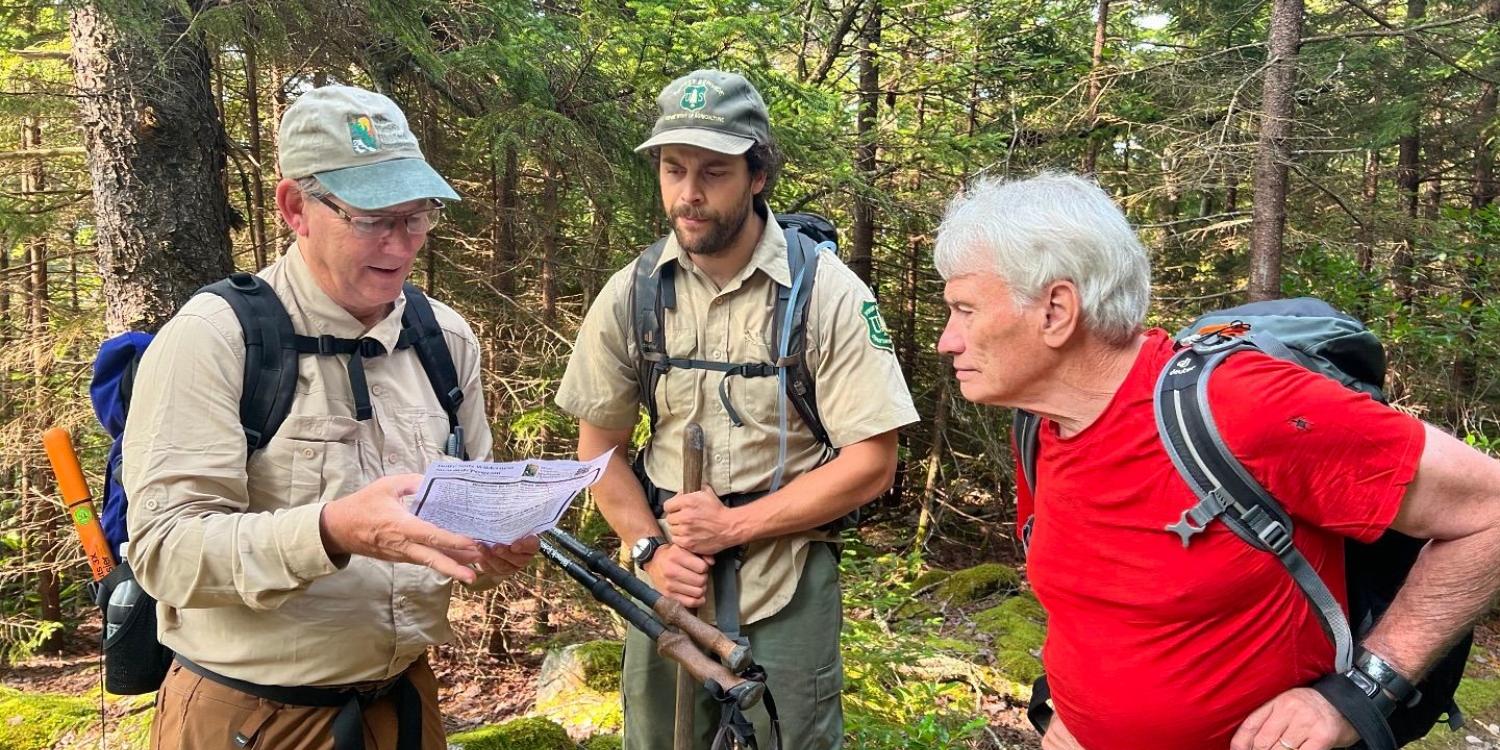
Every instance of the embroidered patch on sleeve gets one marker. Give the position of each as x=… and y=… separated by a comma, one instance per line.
x=880, y=336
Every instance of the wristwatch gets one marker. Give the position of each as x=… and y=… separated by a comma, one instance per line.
x=1381, y=683
x=645, y=548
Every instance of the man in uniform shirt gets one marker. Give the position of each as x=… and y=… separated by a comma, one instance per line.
x=716, y=162
x=295, y=588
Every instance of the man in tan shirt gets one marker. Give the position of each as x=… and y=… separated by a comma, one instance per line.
x=716, y=161
x=295, y=587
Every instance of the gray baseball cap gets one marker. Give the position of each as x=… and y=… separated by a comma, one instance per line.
x=358, y=145
x=710, y=109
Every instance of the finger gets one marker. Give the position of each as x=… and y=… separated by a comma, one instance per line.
x=424, y=533
x=436, y=560
x=1244, y=737
x=401, y=485
x=526, y=545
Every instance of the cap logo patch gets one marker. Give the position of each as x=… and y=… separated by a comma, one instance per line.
x=362, y=135
x=694, y=97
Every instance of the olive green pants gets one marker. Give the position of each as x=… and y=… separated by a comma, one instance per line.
x=799, y=648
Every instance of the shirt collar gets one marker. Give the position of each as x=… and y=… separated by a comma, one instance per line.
x=321, y=315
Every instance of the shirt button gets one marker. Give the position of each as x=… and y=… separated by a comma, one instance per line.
x=718, y=301
x=718, y=458
x=308, y=452
x=392, y=459
x=150, y=505
x=718, y=354
x=377, y=390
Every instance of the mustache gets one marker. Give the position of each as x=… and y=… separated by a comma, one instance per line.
x=688, y=213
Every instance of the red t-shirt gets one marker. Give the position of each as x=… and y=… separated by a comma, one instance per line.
x=1157, y=647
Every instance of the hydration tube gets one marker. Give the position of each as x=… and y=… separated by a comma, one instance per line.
x=786, y=335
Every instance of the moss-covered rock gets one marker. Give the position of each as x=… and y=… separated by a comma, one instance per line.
x=579, y=688
x=604, y=742
x=1017, y=628
x=929, y=578
x=530, y=733
x=39, y=721
x=971, y=585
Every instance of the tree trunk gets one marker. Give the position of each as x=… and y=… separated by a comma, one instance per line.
x=1370, y=194
x=503, y=262
x=1268, y=224
x=862, y=242
x=552, y=210
x=155, y=153
x=934, y=461
x=258, y=176
x=1096, y=87
x=1408, y=177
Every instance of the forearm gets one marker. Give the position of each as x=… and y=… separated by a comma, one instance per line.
x=195, y=557
x=859, y=474
x=1454, y=500
x=1448, y=589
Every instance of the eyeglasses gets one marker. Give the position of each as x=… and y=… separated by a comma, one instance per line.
x=375, y=227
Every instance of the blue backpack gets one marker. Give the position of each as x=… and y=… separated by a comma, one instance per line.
x=135, y=662
x=1317, y=336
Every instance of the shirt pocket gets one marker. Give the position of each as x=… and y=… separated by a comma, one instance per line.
x=426, y=431
x=677, y=389
x=310, y=459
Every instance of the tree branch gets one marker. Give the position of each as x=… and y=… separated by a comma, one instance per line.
x=836, y=43
x=1435, y=52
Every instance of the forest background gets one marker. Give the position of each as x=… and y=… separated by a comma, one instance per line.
x=1264, y=148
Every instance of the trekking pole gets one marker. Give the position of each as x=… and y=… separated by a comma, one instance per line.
x=78, y=501
x=692, y=481
x=668, y=610
x=713, y=676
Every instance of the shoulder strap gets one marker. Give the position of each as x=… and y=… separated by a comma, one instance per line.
x=270, y=381
x=802, y=258
x=1225, y=490
x=651, y=295
x=1026, y=429
x=420, y=330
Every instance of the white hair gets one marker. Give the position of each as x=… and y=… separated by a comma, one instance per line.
x=1046, y=228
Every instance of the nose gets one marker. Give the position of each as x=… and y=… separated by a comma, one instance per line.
x=692, y=190
x=951, y=342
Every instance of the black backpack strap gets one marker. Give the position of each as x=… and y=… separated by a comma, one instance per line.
x=1225, y=490
x=270, y=381
x=1026, y=428
x=802, y=259
x=1039, y=709
x=420, y=330
x=651, y=295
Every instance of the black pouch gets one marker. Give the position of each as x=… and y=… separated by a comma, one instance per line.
x=135, y=662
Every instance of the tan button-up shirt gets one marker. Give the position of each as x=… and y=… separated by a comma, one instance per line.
x=861, y=392
x=232, y=549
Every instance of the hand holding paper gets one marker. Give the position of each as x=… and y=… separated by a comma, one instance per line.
x=502, y=502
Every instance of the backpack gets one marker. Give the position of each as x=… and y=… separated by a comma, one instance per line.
x=1315, y=335
x=653, y=293
x=135, y=662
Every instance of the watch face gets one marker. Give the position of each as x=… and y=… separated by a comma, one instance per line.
x=640, y=549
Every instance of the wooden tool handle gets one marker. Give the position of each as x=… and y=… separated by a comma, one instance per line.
x=691, y=663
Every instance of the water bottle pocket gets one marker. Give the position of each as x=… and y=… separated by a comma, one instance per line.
x=135, y=662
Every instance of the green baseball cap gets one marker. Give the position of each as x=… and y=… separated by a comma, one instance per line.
x=358, y=145
x=710, y=109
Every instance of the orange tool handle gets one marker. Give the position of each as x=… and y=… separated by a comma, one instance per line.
x=79, y=502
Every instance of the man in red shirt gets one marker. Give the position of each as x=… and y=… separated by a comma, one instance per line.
x=1151, y=644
